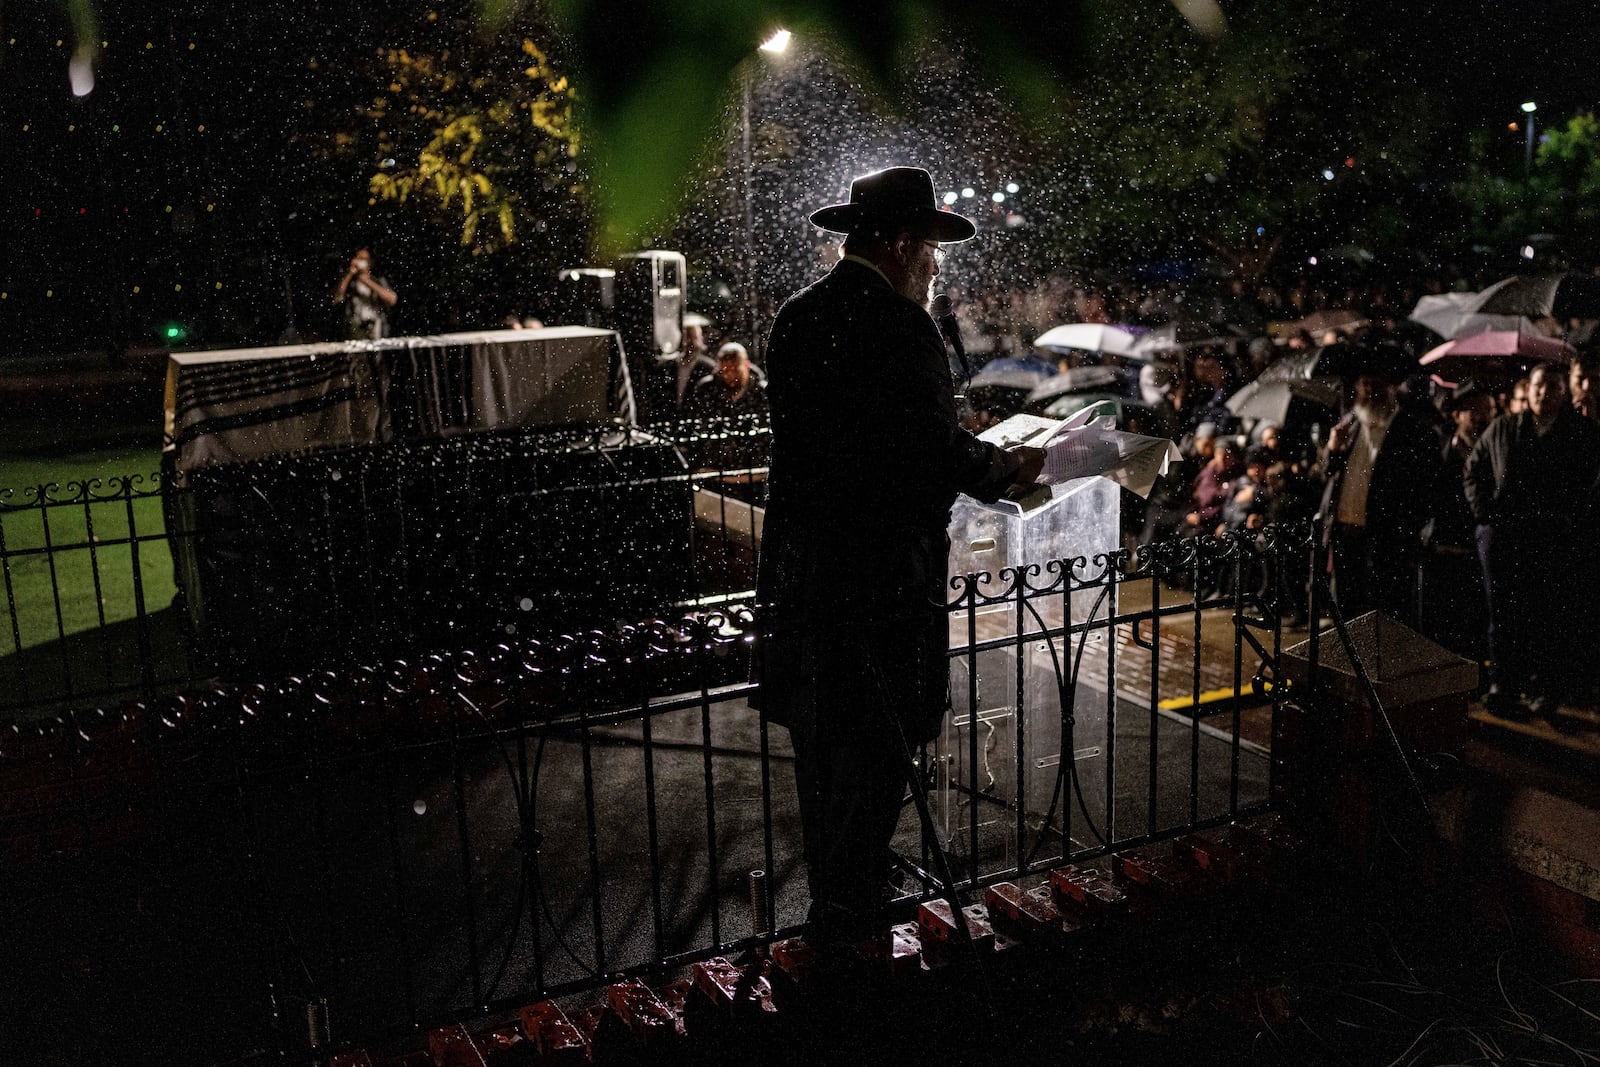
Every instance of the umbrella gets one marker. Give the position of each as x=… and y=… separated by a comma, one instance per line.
x=1456, y=315
x=1492, y=355
x=1269, y=398
x=1021, y=379
x=1565, y=296
x=1504, y=344
x=1293, y=375
x=1089, y=336
x=1077, y=380
x=1028, y=362
x=1185, y=333
x=1332, y=319
x=1003, y=385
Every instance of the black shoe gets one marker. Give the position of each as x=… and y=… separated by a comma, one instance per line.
x=1505, y=705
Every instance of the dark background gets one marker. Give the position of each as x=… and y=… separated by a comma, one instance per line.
x=192, y=170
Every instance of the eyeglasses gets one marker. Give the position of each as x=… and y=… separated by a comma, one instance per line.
x=939, y=252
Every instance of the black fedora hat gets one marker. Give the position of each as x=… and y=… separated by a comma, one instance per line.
x=1383, y=359
x=894, y=197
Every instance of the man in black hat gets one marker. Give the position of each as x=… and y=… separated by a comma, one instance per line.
x=867, y=459
x=1381, y=463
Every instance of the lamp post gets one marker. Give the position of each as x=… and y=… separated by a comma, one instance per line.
x=1528, y=108
x=775, y=44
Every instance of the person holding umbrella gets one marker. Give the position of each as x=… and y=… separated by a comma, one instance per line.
x=1380, y=463
x=867, y=459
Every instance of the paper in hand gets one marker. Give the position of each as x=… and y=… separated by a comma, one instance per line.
x=1087, y=444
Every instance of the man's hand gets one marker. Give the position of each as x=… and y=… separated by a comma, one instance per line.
x=1027, y=477
x=1342, y=436
x=1032, y=463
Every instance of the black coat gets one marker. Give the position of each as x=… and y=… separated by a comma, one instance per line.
x=867, y=459
x=1450, y=522
x=1399, y=496
x=1541, y=486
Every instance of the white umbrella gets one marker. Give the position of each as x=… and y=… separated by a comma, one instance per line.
x=1456, y=315
x=1088, y=336
x=1185, y=333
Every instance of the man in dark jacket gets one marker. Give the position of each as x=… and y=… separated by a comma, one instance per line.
x=867, y=459
x=1530, y=484
x=1451, y=605
x=1381, y=464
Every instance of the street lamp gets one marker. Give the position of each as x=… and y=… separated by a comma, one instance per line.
x=1528, y=108
x=775, y=44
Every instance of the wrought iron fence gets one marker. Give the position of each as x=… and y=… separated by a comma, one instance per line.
x=420, y=839
x=143, y=585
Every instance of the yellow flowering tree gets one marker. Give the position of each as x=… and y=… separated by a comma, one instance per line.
x=487, y=144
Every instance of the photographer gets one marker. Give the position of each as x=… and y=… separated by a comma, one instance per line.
x=366, y=300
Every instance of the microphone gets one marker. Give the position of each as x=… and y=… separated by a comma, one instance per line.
x=944, y=314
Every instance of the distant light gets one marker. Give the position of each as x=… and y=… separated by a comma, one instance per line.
x=173, y=331
x=1327, y=173
x=1312, y=261
x=967, y=193
x=1260, y=230
x=1527, y=251
x=1513, y=127
x=1349, y=161
x=80, y=73
x=950, y=198
x=1530, y=107
x=998, y=198
x=1011, y=187
x=777, y=42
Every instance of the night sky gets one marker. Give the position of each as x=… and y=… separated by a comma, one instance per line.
x=176, y=191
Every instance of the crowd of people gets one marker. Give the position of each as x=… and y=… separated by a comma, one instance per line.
x=1458, y=507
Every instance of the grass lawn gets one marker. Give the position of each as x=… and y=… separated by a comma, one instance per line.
x=86, y=583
